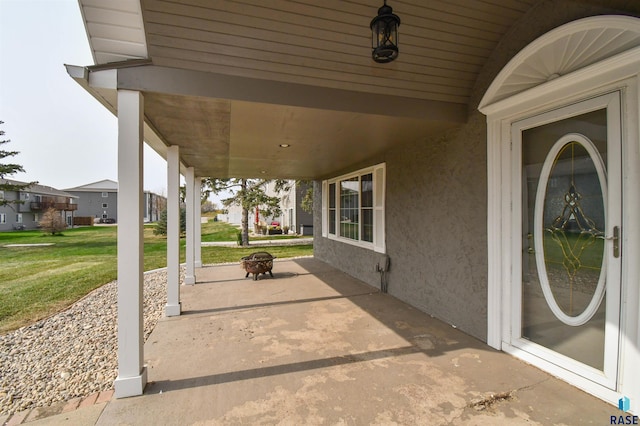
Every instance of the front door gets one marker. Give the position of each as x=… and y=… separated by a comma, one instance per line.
x=566, y=277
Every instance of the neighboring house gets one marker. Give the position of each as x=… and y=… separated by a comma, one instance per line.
x=100, y=201
x=233, y=213
x=35, y=200
x=472, y=175
x=154, y=204
x=293, y=216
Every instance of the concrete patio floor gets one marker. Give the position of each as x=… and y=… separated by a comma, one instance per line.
x=315, y=346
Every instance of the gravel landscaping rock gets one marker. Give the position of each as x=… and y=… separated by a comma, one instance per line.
x=73, y=353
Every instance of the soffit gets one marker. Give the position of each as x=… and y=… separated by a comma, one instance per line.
x=115, y=29
x=443, y=43
x=321, y=48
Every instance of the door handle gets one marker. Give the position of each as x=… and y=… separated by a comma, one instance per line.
x=616, y=241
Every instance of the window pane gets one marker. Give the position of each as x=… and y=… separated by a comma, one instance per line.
x=366, y=184
x=349, y=208
x=332, y=195
x=367, y=225
x=332, y=208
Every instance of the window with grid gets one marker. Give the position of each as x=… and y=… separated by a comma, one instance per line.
x=353, y=208
x=350, y=208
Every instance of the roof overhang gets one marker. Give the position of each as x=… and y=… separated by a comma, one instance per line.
x=233, y=126
x=230, y=81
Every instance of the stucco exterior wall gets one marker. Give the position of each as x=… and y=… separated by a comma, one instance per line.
x=435, y=228
x=436, y=199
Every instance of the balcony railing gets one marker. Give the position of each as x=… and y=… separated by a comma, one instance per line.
x=44, y=205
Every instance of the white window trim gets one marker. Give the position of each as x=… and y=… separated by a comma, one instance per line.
x=379, y=189
x=3, y=218
x=105, y=195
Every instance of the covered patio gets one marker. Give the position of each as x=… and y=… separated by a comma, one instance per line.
x=316, y=346
x=414, y=164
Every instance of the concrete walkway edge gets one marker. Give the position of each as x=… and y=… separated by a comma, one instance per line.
x=72, y=410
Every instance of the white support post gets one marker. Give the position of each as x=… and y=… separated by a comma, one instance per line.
x=190, y=276
x=132, y=374
x=197, y=209
x=173, y=307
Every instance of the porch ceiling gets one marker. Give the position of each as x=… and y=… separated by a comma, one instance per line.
x=229, y=81
x=238, y=138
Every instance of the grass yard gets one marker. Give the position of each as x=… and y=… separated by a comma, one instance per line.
x=233, y=254
x=222, y=231
x=589, y=251
x=218, y=231
x=37, y=281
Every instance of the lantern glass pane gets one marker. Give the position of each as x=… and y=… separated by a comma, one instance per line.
x=393, y=34
x=378, y=34
x=375, y=38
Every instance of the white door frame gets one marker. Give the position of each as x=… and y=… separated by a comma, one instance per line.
x=620, y=72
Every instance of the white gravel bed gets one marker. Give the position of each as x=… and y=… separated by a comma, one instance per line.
x=73, y=353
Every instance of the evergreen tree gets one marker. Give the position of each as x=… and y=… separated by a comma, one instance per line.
x=9, y=170
x=161, y=224
x=249, y=194
x=307, y=199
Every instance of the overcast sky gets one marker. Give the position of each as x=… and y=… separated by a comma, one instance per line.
x=64, y=136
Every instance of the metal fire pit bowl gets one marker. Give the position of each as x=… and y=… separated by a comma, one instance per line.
x=257, y=263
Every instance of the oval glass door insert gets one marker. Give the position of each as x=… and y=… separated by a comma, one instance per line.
x=569, y=224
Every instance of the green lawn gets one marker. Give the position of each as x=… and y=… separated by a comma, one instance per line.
x=233, y=254
x=38, y=281
x=222, y=231
x=218, y=231
x=590, y=251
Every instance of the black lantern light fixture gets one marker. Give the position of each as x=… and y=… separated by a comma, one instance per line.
x=384, y=35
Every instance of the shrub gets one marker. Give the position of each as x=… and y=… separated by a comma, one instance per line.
x=52, y=222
